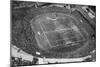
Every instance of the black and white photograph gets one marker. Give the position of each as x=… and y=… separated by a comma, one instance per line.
x=46, y=33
